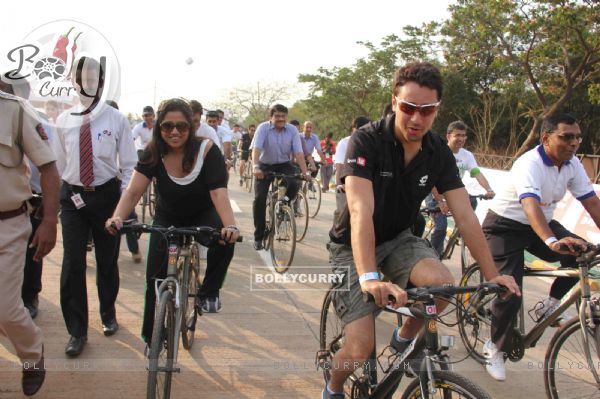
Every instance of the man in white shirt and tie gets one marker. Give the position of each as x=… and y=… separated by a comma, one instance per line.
x=96, y=144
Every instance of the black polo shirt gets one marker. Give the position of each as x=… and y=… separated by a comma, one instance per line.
x=374, y=153
x=246, y=141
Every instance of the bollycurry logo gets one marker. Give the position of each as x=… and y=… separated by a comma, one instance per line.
x=47, y=63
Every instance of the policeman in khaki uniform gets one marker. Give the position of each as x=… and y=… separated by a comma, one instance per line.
x=22, y=135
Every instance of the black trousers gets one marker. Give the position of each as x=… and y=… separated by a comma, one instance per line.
x=76, y=225
x=217, y=263
x=32, y=277
x=508, y=239
x=261, y=190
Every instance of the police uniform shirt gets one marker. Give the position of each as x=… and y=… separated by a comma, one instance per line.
x=113, y=149
x=14, y=144
x=375, y=154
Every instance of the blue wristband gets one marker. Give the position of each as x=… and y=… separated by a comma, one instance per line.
x=369, y=276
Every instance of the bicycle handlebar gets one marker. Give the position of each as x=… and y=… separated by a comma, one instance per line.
x=207, y=236
x=284, y=175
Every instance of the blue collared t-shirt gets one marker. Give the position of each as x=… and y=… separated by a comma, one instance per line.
x=276, y=146
x=310, y=144
x=534, y=175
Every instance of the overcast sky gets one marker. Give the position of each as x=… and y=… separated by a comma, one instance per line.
x=232, y=43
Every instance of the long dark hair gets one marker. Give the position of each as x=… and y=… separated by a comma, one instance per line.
x=157, y=147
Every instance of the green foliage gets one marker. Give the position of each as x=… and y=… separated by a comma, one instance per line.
x=506, y=64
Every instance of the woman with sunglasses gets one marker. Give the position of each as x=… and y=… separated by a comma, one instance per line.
x=191, y=186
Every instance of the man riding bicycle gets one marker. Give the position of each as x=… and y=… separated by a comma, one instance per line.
x=391, y=165
x=245, y=141
x=465, y=161
x=275, y=141
x=520, y=218
x=310, y=143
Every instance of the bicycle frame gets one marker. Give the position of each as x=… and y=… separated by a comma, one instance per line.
x=427, y=337
x=582, y=291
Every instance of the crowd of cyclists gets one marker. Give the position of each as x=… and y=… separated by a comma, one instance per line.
x=384, y=171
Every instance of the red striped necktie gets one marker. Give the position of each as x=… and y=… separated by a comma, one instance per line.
x=86, y=159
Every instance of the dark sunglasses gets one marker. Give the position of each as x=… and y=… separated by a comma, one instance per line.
x=410, y=108
x=568, y=137
x=168, y=126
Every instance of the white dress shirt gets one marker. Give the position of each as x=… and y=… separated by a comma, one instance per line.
x=207, y=132
x=142, y=135
x=114, y=153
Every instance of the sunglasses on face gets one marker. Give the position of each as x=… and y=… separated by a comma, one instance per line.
x=568, y=137
x=168, y=126
x=410, y=108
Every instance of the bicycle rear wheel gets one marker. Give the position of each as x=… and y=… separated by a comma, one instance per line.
x=448, y=385
x=162, y=349
x=313, y=197
x=301, y=216
x=283, y=238
x=567, y=373
x=189, y=289
x=331, y=339
x=474, y=316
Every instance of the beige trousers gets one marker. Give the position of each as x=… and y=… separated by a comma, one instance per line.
x=15, y=322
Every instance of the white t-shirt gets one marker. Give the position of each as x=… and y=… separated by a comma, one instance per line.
x=534, y=175
x=340, y=151
x=142, y=135
x=224, y=135
x=209, y=133
x=465, y=161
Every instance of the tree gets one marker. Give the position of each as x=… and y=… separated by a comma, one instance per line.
x=251, y=104
x=554, y=43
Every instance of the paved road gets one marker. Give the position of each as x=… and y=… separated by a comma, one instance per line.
x=261, y=345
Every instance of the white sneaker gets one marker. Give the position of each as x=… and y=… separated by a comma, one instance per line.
x=494, y=364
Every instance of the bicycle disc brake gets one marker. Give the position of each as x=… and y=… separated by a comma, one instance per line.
x=518, y=346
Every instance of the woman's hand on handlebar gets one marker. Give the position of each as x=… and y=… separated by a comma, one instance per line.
x=229, y=234
x=113, y=225
x=381, y=291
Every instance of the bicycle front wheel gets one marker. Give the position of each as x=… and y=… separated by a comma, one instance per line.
x=301, y=216
x=189, y=289
x=313, y=196
x=162, y=349
x=474, y=315
x=283, y=238
x=567, y=373
x=448, y=385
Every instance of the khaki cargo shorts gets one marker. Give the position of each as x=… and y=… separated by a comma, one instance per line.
x=395, y=259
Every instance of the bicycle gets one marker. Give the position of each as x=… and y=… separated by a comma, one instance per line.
x=566, y=341
x=363, y=383
x=452, y=240
x=280, y=234
x=312, y=191
x=176, y=310
x=149, y=201
x=248, y=175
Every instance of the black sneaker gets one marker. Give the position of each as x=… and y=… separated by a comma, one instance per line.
x=412, y=364
x=258, y=245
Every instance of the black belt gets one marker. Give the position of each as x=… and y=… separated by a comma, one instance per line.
x=91, y=189
x=14, y=213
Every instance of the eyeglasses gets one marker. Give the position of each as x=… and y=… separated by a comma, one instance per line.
x=168, y=126
x=147, y=115
x=567, y=137
x=410, y=108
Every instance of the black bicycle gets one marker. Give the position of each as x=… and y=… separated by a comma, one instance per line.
x=176, y=309
x=434, y=377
